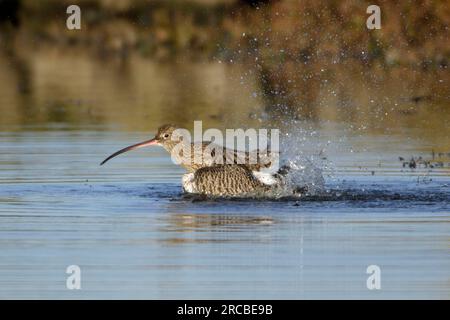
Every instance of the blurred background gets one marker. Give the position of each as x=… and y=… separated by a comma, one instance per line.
x=369, y=108
x=137, y=64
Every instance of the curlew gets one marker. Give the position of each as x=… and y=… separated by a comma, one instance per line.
x=212, y=177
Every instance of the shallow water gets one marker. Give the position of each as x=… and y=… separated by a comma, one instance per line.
x=134, y=235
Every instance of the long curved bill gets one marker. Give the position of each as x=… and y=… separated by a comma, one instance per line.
x=133, y=147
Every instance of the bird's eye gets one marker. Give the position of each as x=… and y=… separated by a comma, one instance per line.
x=166, y=136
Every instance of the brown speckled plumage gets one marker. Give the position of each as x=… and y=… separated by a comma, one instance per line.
x=203, y=154
x=164, y=136
x=211, y=174
x=228, y=180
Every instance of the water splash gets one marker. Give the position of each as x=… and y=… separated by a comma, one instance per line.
x=302, y=162
x=303, y=177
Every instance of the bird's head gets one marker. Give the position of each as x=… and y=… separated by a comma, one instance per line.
x=162, y=138
x=164, y=134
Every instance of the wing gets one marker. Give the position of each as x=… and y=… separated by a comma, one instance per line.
x=218, y=155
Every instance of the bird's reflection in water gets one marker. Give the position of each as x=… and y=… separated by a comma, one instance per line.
x=204, y=228
x=187, y=222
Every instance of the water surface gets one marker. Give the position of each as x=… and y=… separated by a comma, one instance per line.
x=134, y=235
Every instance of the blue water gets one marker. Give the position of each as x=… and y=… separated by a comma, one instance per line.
x=135, y=235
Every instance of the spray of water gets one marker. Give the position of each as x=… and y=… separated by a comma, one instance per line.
x=301, y=153
x=302, y=162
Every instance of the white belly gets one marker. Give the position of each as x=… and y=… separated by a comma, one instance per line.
x=188, y=183
x=266, y=178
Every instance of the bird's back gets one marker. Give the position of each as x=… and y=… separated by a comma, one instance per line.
x=214, y=155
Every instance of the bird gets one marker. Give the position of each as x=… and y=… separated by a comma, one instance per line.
x=204, y=154
x=221, y=179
